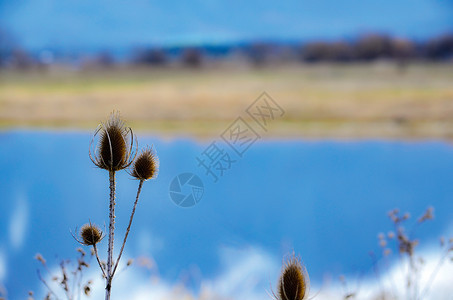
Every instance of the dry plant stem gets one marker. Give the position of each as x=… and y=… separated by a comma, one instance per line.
x=65, y=281
x=99, y=261
x=108, y=286
x=78, y=278
x=47, y=286
x=376, y=272
x=412, y=277
x=433, y=275
x=129, y=226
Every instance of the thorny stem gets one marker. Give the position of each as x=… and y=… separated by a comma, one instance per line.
x=99, y=261
x=108, y=286
x=129, y=226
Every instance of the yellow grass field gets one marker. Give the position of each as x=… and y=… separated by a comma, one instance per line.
x=335, y=101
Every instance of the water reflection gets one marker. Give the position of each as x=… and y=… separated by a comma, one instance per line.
x=327, y=200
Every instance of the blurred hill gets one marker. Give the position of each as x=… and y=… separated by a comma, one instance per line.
x=365, y=48
x=92, y=26
x=104, y=33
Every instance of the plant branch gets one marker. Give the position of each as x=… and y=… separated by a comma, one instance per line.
x=64, y=282
x=99, y=261
x=433, y=275
x=129, y=226
x=47, y=286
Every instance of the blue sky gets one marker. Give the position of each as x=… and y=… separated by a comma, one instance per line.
x=93, y=24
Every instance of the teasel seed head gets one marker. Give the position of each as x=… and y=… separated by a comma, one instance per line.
x=146, y=165
x=115, y=148
x=90, y=235
x=294, y=282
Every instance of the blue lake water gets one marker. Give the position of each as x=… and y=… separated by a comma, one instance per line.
x=327, y=200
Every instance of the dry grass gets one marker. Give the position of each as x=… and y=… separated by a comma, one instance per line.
x=346, y=101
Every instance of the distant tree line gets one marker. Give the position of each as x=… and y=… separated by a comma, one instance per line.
x=365, y=48
x=372, y=47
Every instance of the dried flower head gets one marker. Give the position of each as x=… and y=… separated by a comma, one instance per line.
x=90, y=234
x=115, y=149
x=80, y=250
x=146, y=165
x=294, y=282
x=428, y=215
x=40, y=258
x=87, y=290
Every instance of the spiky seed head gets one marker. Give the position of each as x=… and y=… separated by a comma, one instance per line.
x=146, y=165
x=294, y=281
x=115, y=146
x=90, y=234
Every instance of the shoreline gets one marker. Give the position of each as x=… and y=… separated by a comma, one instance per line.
x=343, y=131
x=325, y=101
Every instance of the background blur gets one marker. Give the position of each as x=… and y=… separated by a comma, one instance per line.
x=365, y=98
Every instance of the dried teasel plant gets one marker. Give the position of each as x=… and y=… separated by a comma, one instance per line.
x=116, y=150
x=91, y=235
x=68, y=282
x=145, y=167
x=403, y=241
x=294, y=283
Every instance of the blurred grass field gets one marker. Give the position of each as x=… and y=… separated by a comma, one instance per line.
x=379, y=100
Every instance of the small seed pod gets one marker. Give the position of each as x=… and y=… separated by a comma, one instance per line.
x=40, y=258
x=87, y=290
x=294, y=282
x=115, y=148
x=146, y=165
x=90, y=235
